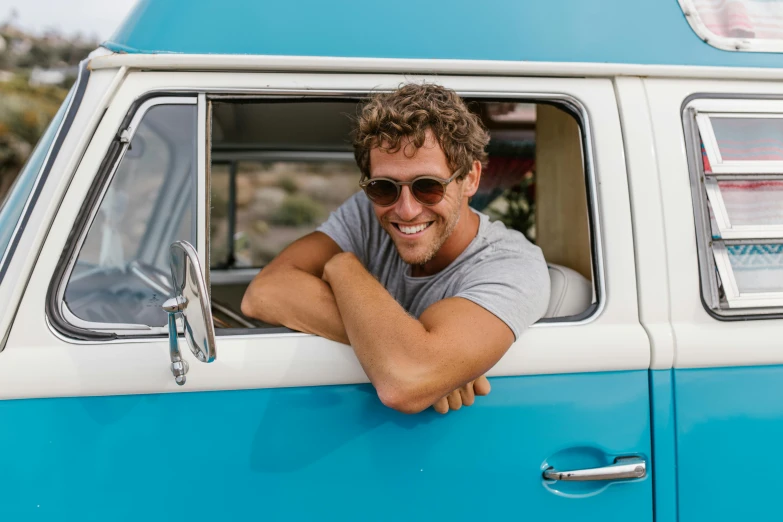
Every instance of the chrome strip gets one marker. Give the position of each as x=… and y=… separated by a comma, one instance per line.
x=707, y=275
x=103, y=327
x=202, y=187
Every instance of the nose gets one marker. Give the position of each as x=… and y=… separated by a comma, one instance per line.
x=407, y=208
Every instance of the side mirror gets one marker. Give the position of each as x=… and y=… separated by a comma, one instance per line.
x=191, y=301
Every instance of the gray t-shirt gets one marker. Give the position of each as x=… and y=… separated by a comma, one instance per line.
x=500, y=270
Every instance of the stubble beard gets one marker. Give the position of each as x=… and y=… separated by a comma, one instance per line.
x=429, y=254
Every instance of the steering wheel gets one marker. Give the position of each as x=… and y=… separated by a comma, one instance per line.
x=152, y=276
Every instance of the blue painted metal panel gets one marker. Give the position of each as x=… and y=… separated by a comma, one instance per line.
x=324, y=453
x=729, y=433
x=614, y=31
x=664, y=445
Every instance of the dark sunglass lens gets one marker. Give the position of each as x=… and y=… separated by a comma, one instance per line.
x=428, y=191
x=381, y=192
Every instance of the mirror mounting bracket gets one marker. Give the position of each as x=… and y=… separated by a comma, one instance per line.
x=179, y=366
x=190, y=302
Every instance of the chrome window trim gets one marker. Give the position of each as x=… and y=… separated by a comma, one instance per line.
x=106, y=327
x=65, y=312
x=712, y=253
x=564, y=100
x=202, y=202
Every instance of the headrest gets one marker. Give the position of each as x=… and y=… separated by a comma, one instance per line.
x=570, y=294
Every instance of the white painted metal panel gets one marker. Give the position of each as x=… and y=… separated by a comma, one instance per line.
x=649, y=234
x=701, y=340
x=38, y=362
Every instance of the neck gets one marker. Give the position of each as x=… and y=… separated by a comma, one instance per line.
x=457, y=242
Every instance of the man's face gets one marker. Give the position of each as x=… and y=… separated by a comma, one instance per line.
x=418, y=231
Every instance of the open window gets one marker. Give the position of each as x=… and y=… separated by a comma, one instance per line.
x=738, y=193
x=279, y=166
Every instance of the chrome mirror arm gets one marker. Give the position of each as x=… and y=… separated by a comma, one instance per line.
x=179, y=366
x=191, y=302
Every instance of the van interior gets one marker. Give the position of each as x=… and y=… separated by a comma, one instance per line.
x=278, y=167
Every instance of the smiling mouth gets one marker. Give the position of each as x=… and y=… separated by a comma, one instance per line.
x=410, y=230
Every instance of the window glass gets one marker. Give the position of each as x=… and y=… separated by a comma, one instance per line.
x=757, y=268
x=121, y=274
x=753, y=202
x=749, y=139
x=13, y=205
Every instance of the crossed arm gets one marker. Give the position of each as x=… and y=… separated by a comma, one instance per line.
x=313, y=286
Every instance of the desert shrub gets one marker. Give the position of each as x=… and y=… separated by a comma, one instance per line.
x=297, y=210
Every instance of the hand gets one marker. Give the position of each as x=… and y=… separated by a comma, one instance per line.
x=463, y=396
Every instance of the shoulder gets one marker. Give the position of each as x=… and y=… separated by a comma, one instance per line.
x=501, y=242
x=506, y=257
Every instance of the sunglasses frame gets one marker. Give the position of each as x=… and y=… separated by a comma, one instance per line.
x=399, y=184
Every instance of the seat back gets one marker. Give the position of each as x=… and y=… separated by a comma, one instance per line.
x=570, y=294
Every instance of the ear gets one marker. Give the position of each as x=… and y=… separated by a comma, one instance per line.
x=470, y=183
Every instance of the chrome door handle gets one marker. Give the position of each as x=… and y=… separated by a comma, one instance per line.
x=623, y=468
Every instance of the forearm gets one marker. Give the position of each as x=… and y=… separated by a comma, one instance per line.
x=395, y=349
x=297, y=300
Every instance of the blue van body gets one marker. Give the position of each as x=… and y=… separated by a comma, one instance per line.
x=335, y=453
x=610, y=31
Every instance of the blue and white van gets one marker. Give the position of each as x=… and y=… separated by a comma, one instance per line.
x=640, y=144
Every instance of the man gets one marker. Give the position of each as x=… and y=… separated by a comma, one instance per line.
x=428, y=292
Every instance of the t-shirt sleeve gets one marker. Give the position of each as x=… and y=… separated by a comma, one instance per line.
x=512, y=285
x=348, y=226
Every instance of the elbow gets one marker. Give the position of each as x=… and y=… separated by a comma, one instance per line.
x=253, y=302
x=404, y=399
x=248, y=306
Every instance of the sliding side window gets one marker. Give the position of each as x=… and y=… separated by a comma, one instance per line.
x=738, y=185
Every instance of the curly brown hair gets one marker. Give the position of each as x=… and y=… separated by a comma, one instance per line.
x=409, y=111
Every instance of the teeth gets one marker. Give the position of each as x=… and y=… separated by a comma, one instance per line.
x=413, y=230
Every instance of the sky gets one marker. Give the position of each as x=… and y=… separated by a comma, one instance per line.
x=96, y=18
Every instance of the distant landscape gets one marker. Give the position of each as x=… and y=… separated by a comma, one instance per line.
x=36, y=72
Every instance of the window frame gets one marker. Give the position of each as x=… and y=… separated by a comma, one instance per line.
x=63, y=321
x=726, y=43
x=715, y=270
x=565, y=102
x=60, y=316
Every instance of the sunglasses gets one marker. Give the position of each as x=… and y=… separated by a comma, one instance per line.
x=427, y=190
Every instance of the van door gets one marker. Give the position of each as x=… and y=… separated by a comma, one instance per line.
x=718, y=145
x=284, y=425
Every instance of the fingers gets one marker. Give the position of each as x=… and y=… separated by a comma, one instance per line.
x=455, y=400
x=464, y=396
x=442, y=406
x=466, y=392
x=481, y=386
